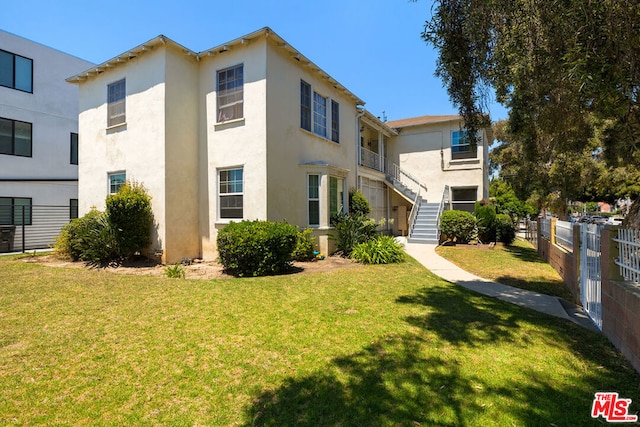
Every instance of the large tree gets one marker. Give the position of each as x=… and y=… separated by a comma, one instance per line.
x=567, y=70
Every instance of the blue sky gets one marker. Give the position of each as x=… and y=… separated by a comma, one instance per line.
x=372, y=47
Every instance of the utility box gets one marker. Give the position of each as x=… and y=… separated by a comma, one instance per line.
x=7, y=233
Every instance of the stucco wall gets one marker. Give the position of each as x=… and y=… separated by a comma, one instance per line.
x=52, y=109
x=293, y=153
x=425, y=152
x=136, y=147
x=237, y=143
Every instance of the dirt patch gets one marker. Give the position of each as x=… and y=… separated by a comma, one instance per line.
x=198, y=269
x=488, y=246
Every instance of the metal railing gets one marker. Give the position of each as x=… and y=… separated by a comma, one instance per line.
x=531, y=233
x=33, y=227
x=629, y=257
x=445, y=204
x=414, y=211
x=371, y=159
x=564, y=234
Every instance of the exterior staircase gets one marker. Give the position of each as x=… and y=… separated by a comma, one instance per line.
x=425, y=226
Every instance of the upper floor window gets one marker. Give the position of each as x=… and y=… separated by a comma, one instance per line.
x=461, y=146
x=74, y=149
x=14, y=209
x=231, y=193
x=16, y=71
x=15, y=137
x=230, y=92
x=116, y=180
x=116, y=111
x=315, y=111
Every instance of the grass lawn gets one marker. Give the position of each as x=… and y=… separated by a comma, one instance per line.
x=366, y=346
x=517, y=265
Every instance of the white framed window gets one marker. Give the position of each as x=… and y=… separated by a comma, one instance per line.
x=230, y=93
x=231, y=193
x=461, y=146
x=116, y=106
x=336, y=196
x=313, y=199
x=319, y=114
x=116, y=180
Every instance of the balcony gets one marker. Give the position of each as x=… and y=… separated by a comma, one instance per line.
x=371, y=160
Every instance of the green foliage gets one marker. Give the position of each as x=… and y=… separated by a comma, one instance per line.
x=90, y=238
x=129, y=211
x=175, y=271
x=257, y=248
x=352, y=229
x=379, y=250
x=304, y=246
x=459, y=226
x=486, y=222
x=505, y=229
x=358, y=204
x=505, y=200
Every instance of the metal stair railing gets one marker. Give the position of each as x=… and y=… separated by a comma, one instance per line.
x=414, y=212
x=445, y=204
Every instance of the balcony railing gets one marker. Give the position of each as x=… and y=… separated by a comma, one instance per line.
x=371, y=159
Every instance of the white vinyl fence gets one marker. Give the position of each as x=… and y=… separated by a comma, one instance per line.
x=629, y=258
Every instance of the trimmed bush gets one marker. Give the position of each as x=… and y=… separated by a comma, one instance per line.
x=458, y=226
x=90, y=238
x=257, y=248
x=505, y=229
x=358, y=204
x=352, y=229
x=304, y=246
x=379, y=250
x=129, y=211
x=486, y=220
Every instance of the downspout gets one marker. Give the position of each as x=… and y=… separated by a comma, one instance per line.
x=360, y=110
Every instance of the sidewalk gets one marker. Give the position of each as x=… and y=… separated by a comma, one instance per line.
x=554, y=306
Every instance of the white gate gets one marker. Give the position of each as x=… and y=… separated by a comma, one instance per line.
x=590, y=293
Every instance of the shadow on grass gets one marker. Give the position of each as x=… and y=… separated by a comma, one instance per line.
x=556, y=288
x=411, y=380
x=524, y=254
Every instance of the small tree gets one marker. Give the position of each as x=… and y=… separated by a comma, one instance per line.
x=129, y=212
x=358, y=204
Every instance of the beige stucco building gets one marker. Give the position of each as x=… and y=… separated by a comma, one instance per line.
x=250, y=129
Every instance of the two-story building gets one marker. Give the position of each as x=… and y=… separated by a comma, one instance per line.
x=38, y=140
x=250, y=129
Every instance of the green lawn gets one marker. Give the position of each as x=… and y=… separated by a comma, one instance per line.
x=517, y=265
x=365, y=346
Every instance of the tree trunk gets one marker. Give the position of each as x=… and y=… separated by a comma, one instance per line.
x=632, y=220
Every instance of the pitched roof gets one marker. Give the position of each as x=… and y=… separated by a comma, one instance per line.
x=422, y=120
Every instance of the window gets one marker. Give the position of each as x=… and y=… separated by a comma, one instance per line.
x=116, y=93
x=13, y=209
x=15, y=137
x=230, y=93
x=73, y=208
x=460, y=146
x=16, y=71
x=335, y=121
x=315, y=110
x=464, y=198
x=313, y=196
x=74, y=148
x=231, y=193
x=319, y=114
x=116, y=180
x=336, y=195
x=305, y=105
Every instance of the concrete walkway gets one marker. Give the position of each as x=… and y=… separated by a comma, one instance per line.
x=554, y=306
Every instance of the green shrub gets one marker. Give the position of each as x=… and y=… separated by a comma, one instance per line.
x=89, y=238
x=358, y=204
x=505, y=229
x=256, y=248
x=304, y=246
x=175, y=271
x=486, y=221
x=352, y=229
x=379, y=250
x=129, y=211
x=459, y=226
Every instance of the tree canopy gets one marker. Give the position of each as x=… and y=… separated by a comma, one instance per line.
x=567, y=70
